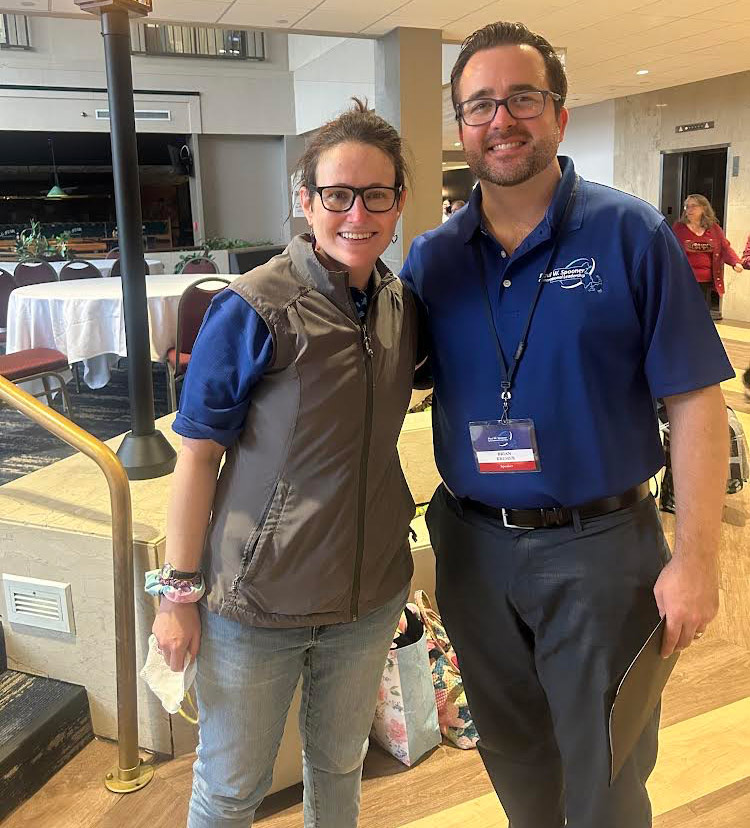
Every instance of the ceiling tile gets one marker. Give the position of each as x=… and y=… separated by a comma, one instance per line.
x=255, y=16
x=26, y=6
x=189, y=11
x=384, y=7
x=737, y=12
x=335, y=21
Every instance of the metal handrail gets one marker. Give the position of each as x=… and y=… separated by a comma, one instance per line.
x=129, y=774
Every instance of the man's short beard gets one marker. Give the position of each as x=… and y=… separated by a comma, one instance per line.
x=545, y=152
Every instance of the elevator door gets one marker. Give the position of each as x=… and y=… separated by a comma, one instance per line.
x=702, y=172
x=695, y=171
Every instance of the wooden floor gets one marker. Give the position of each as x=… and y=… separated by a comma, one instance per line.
x=702, y=778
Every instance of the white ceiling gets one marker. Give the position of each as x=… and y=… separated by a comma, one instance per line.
x=607, y=41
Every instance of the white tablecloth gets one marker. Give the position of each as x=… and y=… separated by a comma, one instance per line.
x=104, y=265
x=84, y=319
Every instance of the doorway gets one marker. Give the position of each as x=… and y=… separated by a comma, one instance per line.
x=702, y=171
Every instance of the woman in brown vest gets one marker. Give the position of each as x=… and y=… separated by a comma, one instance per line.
x=296, y=562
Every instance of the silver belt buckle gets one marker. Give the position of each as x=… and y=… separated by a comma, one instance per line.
x=506, y=524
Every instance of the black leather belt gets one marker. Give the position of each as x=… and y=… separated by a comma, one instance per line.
x=557, y=516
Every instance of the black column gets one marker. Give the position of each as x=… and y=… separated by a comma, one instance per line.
x=145, y=452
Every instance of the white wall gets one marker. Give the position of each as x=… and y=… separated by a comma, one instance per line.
x=590, y=141
x=305, y=48
x=243, y=97
x=450, y=54
x=245, y=183
x=324, y=85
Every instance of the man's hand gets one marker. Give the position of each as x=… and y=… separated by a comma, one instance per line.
x=177, y=628
x=687, y=593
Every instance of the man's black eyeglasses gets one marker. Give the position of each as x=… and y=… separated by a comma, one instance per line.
x=339, y=198
x=522, y=105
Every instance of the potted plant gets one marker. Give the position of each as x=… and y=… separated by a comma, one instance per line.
x=33, y=244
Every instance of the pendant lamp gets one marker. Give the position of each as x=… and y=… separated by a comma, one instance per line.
x=56, y=191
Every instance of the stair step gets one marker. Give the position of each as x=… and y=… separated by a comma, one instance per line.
x=43, y=724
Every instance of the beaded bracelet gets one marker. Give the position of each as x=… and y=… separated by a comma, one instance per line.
x=180, y=587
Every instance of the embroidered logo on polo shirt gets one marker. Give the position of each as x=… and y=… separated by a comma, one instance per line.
x=579, y=273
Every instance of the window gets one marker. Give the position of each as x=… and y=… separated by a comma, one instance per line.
x=197, y=41
x=14, y=31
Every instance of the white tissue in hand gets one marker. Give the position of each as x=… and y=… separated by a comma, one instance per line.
x=170, y=687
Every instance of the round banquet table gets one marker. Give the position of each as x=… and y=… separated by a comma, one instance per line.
x=84, y=319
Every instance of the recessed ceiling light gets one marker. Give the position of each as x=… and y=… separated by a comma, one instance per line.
x=456, y=143
x=642, y=72
x=282, y=21
x=28, y=3
x=660, y=106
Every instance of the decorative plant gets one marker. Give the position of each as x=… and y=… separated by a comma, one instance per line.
x=60, y=243
x=222, y=243
x=33, y=244
x=189, y=255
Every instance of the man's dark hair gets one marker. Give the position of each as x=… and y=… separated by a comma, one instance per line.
x=503, y=33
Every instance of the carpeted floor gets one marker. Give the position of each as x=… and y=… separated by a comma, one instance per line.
x=26, y=447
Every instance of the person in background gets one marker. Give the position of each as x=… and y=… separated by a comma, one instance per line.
x=446, y=210
x=558, y=310
x=456, y=206
x=301, y=375
x=706, y=245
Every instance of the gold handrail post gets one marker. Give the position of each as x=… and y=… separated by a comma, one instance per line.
x=130, y=774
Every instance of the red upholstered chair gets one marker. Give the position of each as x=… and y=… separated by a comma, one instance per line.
x=37, y=363
x=79, y=269
x=114, y=253
x=200, y=264
x=193, y=305
x=117, y=272
x=34, y=272
x=7, y=285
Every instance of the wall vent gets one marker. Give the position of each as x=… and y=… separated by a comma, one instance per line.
x=39, y=603
x=140, y=115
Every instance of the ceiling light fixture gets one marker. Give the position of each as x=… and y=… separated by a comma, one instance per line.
x=642, y=72
x=456, y=143
x=56, y=191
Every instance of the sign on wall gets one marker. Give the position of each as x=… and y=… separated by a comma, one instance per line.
x=694, y=127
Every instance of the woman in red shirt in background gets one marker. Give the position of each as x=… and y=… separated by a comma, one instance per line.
x=705, y=244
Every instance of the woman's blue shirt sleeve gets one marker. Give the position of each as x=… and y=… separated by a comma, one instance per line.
x=231, y=353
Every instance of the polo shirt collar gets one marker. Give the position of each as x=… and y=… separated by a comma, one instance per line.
x=470, y=219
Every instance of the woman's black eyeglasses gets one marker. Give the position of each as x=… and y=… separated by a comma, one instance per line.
x=340, y=198
x=522, y=105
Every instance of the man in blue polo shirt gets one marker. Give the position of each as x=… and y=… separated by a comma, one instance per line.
x=558, y=311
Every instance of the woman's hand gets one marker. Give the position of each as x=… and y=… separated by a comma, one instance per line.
x=737, y=268
x=177, y=628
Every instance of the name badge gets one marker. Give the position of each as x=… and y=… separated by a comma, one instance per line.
x=504, y=447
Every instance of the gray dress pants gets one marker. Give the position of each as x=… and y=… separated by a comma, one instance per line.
x=545, y=623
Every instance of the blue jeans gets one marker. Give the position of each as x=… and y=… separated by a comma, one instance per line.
x=245, y=683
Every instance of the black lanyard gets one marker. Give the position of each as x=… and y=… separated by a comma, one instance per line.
x=508, y=373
